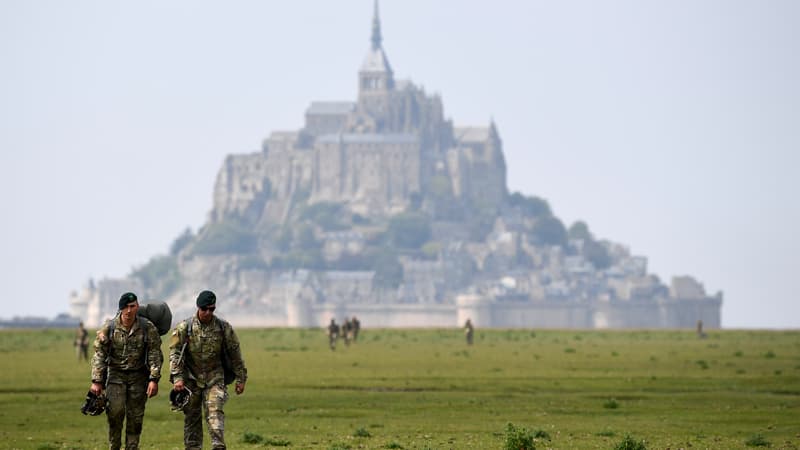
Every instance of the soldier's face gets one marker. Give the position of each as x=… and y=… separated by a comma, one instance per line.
x=129, y=312
x=205, y=313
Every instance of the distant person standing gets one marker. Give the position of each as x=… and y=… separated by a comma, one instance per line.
x=127, y=365
x=333, y=334
x=347, y=331
x=204, y=356
x=82, y=343
x=356, y=328
x=469, y=331
x=700, y=333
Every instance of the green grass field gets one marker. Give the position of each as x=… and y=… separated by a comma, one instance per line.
x=418, y=389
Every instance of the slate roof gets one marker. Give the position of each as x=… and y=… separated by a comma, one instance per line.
x=371, y=138
x=332, y=108
x=471, y=134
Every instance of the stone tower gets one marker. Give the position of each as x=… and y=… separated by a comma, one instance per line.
x=375, y=78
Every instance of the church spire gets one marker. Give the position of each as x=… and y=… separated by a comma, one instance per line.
x=376, y=29
x=375, y=79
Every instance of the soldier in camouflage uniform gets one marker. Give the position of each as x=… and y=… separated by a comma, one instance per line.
x=333, y=334
x=196, y=356
x=127, y=366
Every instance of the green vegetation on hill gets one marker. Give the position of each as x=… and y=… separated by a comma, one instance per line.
x=418, y=389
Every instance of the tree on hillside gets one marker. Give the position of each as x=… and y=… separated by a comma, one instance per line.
x=160, y=276
x=409, y=230
x=328, y=215
x=579, y=230
x=181, y=242
x=530, y=206
x=225, y=237
x=549, y=231
x=597, y=254
x=388, y=270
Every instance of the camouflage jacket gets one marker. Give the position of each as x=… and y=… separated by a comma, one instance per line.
x=201, y=360
x=125, y=350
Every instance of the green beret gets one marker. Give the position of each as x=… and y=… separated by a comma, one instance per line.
x=128, y=297
x=206, y=298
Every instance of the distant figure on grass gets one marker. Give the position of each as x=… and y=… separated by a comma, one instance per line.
x=469, y=331
x=347, y=331
x=356, y=328
x=82, y=343
x=205, y=357
x=700, y=333
x=127, y=365
x=333, y=334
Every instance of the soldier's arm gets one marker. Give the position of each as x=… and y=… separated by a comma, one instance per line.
x=235, y=354
x=100, y=357
x=99, y=360
x=176, y=363
x=155, y=358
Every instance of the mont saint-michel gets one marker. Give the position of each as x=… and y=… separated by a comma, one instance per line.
x=382, y=208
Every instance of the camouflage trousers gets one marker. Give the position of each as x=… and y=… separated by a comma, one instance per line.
x=332, y=341
x=209, y=402
x=127, y=395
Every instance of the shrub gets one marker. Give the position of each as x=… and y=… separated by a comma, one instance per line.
x=277, y=442
x=518, y=438
x=541, y=434
x=252, y=438
x=339, y=446
x=757, y=440
x=362, y=432
x=394, y=445
x=629, y=443
x=47, y=446
x=611, y=404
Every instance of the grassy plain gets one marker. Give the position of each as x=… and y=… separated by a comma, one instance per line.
x=418, y=389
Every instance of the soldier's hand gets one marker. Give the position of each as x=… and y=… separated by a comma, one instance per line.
x=152, y=389
x=239, y=388
x=178, y=386
x=96, y=388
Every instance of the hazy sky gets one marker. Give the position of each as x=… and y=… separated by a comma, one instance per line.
x=672, y=127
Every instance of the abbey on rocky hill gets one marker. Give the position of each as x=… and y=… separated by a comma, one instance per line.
x=381, y=208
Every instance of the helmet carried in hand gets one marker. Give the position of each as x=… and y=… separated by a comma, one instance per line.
x=179, y=399
x=94, y=404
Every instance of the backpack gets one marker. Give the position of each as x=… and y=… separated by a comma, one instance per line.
x=158, y=313
x=227, y=367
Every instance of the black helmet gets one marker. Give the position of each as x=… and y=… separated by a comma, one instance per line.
x=94, y=404
x=179, y=399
